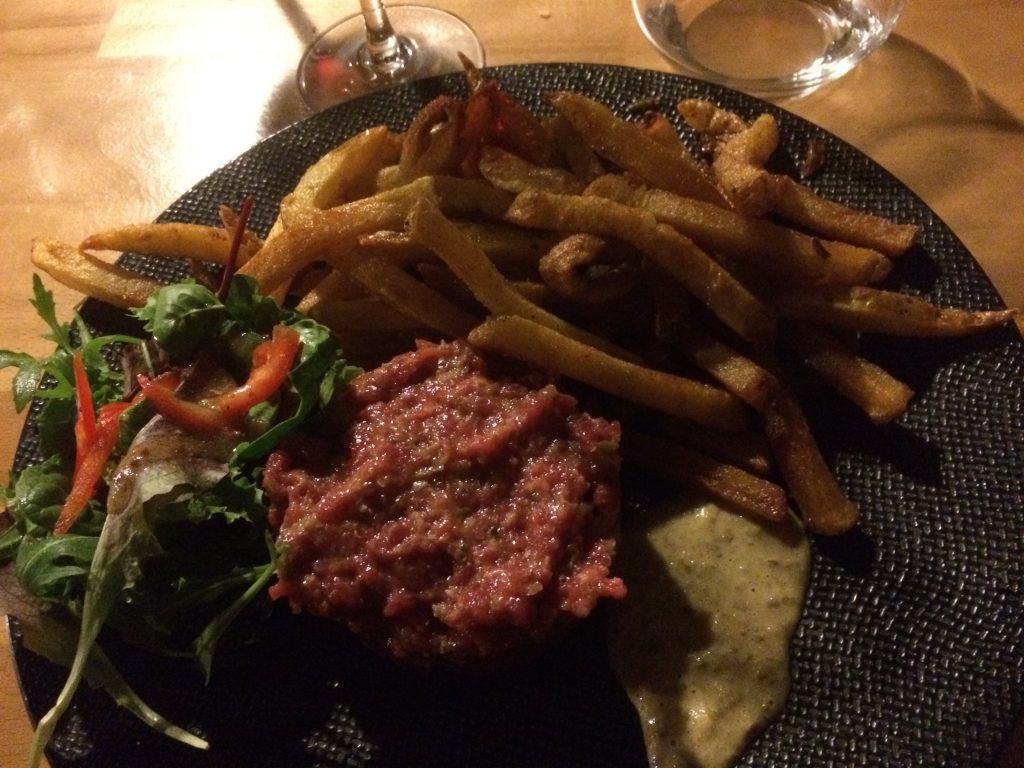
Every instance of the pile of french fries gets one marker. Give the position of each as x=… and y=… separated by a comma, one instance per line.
x=600, y=249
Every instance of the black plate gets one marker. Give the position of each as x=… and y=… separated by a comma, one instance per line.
x=909, y=651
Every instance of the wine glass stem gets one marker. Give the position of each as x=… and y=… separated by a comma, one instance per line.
x=384, y=52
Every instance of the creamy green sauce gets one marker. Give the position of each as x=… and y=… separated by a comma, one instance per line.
x=701, y=643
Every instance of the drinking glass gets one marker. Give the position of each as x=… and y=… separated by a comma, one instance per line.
x=379, y=47
x=767, y=47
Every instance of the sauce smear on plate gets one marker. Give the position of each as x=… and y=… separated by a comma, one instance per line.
x=701, y=643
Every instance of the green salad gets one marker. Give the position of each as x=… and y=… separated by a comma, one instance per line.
x=145, y=513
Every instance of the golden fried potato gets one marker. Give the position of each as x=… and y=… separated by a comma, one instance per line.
x=77, y=270
x=674, y=253
x=822, y=504
x=411, y=297
x=173, y=240
x=510, y=172
x=732, y=486
x=801, y=205
x=604, y=252
x=549, y=350
x=874, y=310
x=881, y=396
x=429, y=226
x=777, y=252
x=627, y=145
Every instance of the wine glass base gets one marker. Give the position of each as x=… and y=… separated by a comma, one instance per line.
x=335, y=67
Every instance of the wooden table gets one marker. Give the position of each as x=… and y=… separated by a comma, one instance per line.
x=112, y=108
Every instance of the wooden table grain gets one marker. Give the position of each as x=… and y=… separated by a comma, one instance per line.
x=110, y=109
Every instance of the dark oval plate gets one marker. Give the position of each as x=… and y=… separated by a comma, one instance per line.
x=909, y=651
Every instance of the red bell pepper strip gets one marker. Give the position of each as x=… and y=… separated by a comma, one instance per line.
x=85, y=424
x=95, y=439
x=185, y=413
x=83, y=397
x=271, y=362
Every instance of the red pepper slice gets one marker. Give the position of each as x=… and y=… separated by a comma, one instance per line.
x=85, y=424
x=95, y=439
x=185, y=413
x=271, y=362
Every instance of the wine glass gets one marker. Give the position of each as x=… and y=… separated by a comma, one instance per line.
x=379, y=47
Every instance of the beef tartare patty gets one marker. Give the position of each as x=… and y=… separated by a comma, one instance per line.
x=459, y=516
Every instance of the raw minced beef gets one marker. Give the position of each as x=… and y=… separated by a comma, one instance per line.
x=459, y=516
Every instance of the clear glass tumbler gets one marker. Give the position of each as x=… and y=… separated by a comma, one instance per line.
x=770, y=48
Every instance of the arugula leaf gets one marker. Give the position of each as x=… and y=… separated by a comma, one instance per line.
x=55, y=568
x=26, y=380
x=250, y=309
x=55, y=423
x=105, y=380
x=32, y=371
x=46, y=308
x=34, y=497
x=182, y=317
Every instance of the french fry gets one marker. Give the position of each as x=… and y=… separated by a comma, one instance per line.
x=874, y=310
x=749, y=381
x=431, y=142
x=627, y=145
x=510, y=172
x=457, y=196
x=581, y=159
x=514, y=250
x=394, y=245
x=802, y=206
x=341, y=174
x=428, y=225
x=824, y=507
x=309, y=235
x=741, y=151
x=107, y=282
x=547, y=349
x=881, y=396
x=173, y=240
x=747, y=450
x=335, y=288
x=676, y=254
x=778, y=251
x=538, y=293
x=344, y=172
x=412, y=298
x=708, y=119
x=586, y=268
x=662, y=131
x=739, y=166
x=735, y=488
